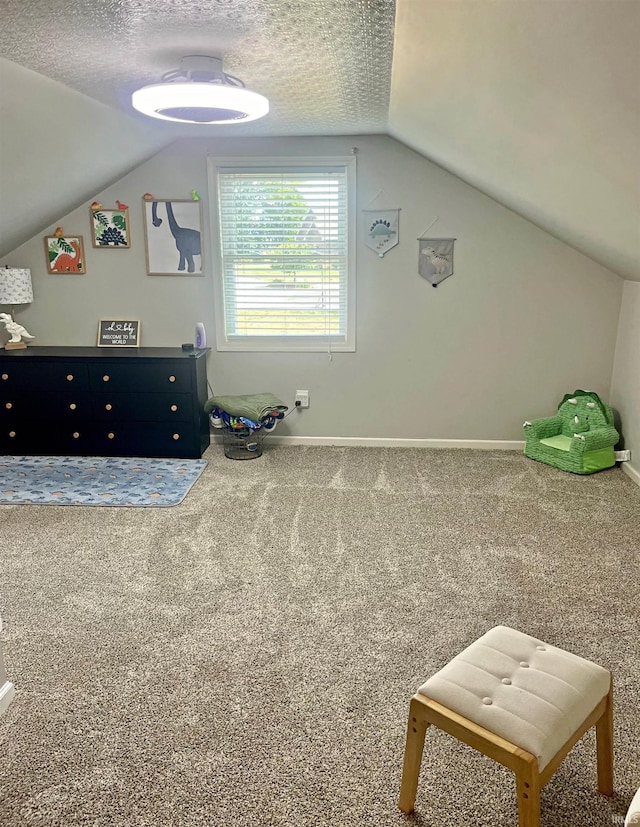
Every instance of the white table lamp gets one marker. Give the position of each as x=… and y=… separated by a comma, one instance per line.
x=15, y=288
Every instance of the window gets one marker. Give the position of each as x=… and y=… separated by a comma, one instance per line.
x=286, y=275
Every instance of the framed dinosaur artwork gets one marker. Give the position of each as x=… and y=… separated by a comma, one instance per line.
x=65, y=254
x=173, y=237
x=110, y=228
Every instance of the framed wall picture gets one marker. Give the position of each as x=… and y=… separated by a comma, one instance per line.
x=110, y=228
x=173, y=237
x=65, y=254
x=119, y=333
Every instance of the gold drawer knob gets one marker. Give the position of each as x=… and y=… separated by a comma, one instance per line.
x=106, y=377
x=172, y=378
x=5, y=375
x=174, y=407
x=12, y=433
x=76, y=435
x=9, y=405
x=108, y=407
x=176, y=436
x=69, y=377
x=72, y=406
x=111, y=435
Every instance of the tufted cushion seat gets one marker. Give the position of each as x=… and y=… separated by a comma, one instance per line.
x=520, y=701
x=528, y=692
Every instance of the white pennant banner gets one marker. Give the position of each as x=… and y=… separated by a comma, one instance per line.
x=381, y=229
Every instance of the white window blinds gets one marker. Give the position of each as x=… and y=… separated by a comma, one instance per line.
x=284, y=244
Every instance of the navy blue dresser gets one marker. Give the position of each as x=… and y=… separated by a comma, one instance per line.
x=145, y=402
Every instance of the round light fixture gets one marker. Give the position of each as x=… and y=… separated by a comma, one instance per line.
x=200, y=92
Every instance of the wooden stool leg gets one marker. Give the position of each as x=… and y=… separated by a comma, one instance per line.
x=528, y=791
x=416, y=730
x=604, y=745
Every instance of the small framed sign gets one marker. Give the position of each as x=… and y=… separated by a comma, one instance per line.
x=118, y=333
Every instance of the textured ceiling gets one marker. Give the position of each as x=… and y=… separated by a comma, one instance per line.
x=325, y=65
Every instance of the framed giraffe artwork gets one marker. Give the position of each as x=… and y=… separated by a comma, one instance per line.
x=65, y=254
x=173, y=237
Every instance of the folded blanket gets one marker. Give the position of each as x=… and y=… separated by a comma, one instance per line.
x=256, y=406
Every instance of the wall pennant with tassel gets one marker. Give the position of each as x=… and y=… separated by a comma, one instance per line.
x=435, y=257
x=381, y=227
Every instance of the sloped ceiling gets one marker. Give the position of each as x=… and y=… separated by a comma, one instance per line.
x=536, y=103
x=57, y=149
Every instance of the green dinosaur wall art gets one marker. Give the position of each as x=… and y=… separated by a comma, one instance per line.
x=110, y=228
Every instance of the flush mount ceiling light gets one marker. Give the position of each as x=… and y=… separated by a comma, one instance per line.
x=200, y=92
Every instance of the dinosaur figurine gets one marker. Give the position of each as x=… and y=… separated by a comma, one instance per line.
x=16, y=331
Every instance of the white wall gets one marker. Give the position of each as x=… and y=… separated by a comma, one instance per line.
x=505, y=93
x=625, y=385
x=523, y=320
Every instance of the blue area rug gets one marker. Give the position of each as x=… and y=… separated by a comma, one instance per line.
x=114, y=481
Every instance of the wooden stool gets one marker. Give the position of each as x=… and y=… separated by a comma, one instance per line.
x=519, y=701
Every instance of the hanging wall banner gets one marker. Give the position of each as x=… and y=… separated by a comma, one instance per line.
x=381, y=229
x=435, y=260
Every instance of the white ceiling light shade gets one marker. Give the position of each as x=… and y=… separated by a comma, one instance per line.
x=200, y=92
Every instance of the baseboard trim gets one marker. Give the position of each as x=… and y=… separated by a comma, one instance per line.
x=631, y=472
x=7, y=691
x=390, y=442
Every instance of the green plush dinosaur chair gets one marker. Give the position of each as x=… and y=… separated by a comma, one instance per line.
x=580, y=439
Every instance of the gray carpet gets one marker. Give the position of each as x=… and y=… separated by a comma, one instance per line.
x=247, y=657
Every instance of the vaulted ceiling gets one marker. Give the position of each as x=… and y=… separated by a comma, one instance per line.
x=535, y=103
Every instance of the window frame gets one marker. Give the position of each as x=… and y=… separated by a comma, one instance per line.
x=294, y=165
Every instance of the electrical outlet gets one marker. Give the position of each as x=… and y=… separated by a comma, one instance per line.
x=623, y=456
x=303, y=398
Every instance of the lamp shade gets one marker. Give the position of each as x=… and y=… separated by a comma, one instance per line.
x=15, y=285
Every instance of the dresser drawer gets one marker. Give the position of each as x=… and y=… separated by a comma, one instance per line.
x=146, y=439
x=58, y=376
x=73, y=406
x=41, y=437
x=154, y=407
x=17, y=437
x=137, y=377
